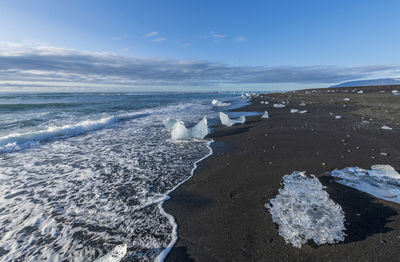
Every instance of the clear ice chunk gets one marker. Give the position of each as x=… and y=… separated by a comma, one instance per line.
x=200, y=130
x=265, y=115
x=304, y=211
x=382, y=181
x=226, y=121
x=180, y=132
x=169, y=122
x=294, y=110
x=215, y=102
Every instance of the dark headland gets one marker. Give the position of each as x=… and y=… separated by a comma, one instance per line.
x=220, y=210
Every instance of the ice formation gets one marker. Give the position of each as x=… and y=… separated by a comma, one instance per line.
x=180, y=132
x=115, y=255
x=294, y=110
x=169, y=122
x=226, y=121
x=395, y=92
x=346, y=99
x=382, y=181
x=386, y=128
x=279, y=105
x=215, y=102
x=265, y=115
x=338, y=117
x=303, y=111
x=360, y=92
x=304, y=211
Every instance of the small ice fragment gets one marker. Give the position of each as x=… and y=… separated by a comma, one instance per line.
x=294, y=110
x=265, y=115
x=266, y=102
x=200, y=130
x=114, y=255
x=215, y=102
x=303, y=111
x=346, y=99
x=302, y=104
x=382, y=181
x=360, y=92
x=179, y=131
x=386, y=128
x=304, y=211
x=395, y=92
x=226, y=121
x=169, y=122
x=338, y=117
x=262, y=102
x=382, y=91
x=365, y=122
x=279, y=105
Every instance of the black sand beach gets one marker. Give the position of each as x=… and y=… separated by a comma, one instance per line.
x=220, y=210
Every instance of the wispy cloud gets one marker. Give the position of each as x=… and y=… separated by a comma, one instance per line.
x=126, y=49
x=219, y=36
x=161, y=39
x=51, y=64
x=124, y=36
x=239, y=39
x=185, y=44
x=151, y=34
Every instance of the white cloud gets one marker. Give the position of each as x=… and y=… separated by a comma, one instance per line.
x=151, y=34
x=239, y=39
x=161, y=39
x=121, y=37
x=220, y=36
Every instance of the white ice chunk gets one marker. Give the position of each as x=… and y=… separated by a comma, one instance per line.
x=386, y=128
x=114, y=255
x=262, y=102
x=179, y=131
x=395, y=92
x=303, y=111
x=200, y=130
x=265, y=115
x=279, y=105
x=304, y=211
x=226, y=121
x=360, y=92
x=346, y=99
x=215, y=102
x=302, y=104
x=338, y=117
x=169, y=122
x=294, y=110
x=382, y=181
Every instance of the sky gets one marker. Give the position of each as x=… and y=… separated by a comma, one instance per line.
x=187, y=45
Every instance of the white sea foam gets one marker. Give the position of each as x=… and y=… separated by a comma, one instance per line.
x=381, y=181
x=304, y=211
x=226, y=121
x=115, y=255
x=215, y=102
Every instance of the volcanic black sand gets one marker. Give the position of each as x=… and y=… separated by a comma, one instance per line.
x=220, y=210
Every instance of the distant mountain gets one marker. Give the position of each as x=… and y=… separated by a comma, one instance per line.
x=372, y=82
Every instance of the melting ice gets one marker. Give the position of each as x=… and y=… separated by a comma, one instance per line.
x=226, y=121
x=304, y=211
x=381, y=181
x=180, y=132
x=215, y=102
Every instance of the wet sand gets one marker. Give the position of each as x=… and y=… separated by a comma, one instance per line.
x=220, y=210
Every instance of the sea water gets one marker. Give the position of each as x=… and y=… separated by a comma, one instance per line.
x=81, y=174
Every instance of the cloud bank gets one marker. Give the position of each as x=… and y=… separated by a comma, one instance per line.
x=51, y=64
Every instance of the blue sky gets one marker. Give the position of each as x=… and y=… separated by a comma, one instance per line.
x=196, y=45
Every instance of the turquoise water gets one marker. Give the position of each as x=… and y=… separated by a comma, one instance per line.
x=82, y=173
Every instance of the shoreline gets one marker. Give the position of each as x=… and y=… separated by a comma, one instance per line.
x=220, y=211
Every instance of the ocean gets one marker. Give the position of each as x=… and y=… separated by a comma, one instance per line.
x=81, y=173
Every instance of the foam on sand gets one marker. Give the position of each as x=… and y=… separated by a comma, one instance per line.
x=382, y=181
x=265, y=115
x=226, y=121
x=114, y=255
x=215, y=102
x=304, y=211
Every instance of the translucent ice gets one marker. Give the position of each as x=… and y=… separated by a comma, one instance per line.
x=338, y=117
x=265, y=115
x=215, y=102
x=200, y=130
x=226, y=121
x=303, y=111
x=169, y=122
x=294, y=110
x=346, y=99
x=180, y=132
x=304, y=211
x=114, y=255
x=279, y=105
x=382, y=181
